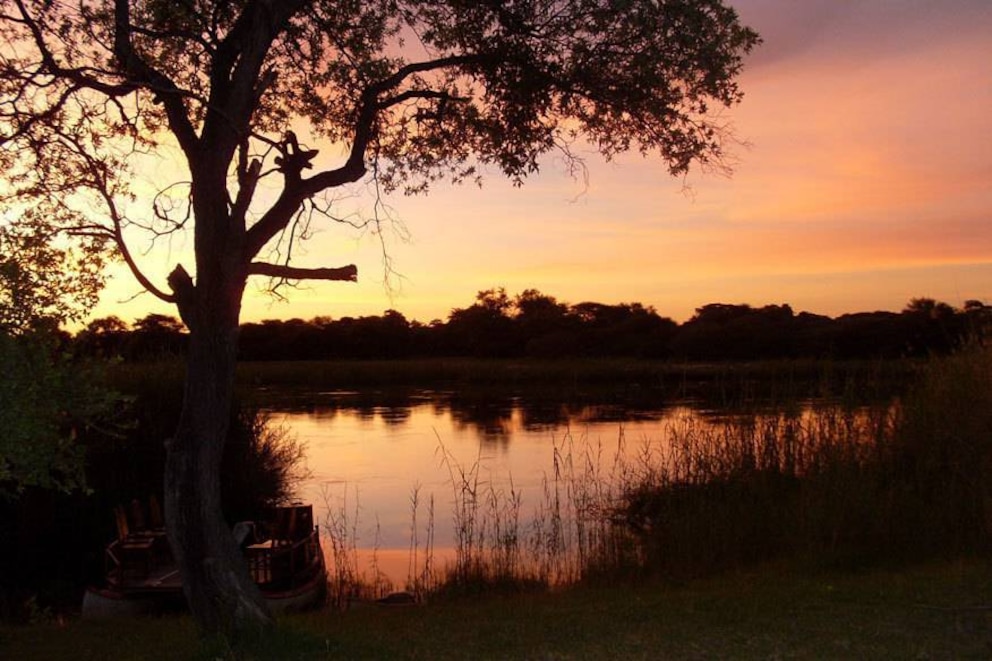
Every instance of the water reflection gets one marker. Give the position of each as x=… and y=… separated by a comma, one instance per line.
x=491, y=419
x=373, y=449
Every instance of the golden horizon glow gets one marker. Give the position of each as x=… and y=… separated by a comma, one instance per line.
x=867, y=181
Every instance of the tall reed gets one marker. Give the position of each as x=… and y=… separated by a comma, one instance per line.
x=422, y=577
x=347, y=580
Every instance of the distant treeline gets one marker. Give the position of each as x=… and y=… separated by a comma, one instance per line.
x=532, y=324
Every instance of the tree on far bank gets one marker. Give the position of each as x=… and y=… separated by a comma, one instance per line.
x=234, y=93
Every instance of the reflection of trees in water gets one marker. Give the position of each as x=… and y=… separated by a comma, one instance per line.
x=392, y=413
x=492, y=417
x=495, y=418
x=395, y=416
x=542, y=414
x=618, y=413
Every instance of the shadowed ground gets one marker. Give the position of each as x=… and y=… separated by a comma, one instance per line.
x=936, y=612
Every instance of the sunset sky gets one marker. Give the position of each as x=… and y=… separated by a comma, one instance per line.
x=866, y=180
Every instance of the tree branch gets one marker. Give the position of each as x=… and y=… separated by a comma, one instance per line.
x=354, y=168
x=419, y=94
x=408, y=70
x=167, y=91
x=97, y=182
x=78, y=76
x=347, y=273
x=118, y=237
x=235, y=83
x=137, y=272
x=280, y=214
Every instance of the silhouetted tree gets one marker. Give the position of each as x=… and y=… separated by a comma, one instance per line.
x=870, y=335
x=222, y=83
x=156, y=336
x=544, y=325
x=979, y=318
x=933, y=327
x=484, y=328
x=720, y=331
x=102, y=338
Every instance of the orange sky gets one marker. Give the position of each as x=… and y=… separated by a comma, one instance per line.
x=867, y=181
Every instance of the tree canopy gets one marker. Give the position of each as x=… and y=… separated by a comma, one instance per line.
x=410, y=91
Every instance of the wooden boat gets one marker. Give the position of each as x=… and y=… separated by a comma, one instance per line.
x=283, y=554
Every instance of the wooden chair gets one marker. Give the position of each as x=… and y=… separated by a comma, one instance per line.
x=284, y=526
x=137, y=517
x=151, y=525
x=155, y=519
x=131, y=553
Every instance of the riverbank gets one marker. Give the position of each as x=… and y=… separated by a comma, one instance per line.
x=935, y=611
x=729, y=383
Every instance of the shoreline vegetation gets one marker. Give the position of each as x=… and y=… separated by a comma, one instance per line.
x=535, y=326
x=739, y=381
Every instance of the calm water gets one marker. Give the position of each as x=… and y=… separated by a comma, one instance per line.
x=369, y=453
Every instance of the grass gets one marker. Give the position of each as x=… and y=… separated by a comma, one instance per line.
x=937, y=611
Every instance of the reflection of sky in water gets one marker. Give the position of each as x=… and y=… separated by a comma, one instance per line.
x=380, y=454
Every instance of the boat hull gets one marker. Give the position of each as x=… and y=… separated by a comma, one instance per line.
x=109, y=602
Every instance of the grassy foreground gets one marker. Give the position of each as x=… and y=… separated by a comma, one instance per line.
x=941, y=611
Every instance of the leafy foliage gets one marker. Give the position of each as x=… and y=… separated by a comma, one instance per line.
x=42, y=283
x=46, y=401
x=46, y=398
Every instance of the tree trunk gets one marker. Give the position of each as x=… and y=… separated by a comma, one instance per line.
x=216, y=582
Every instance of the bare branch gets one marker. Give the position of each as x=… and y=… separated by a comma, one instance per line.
x=248, y=176
x=99, y=184
x=347, y=273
